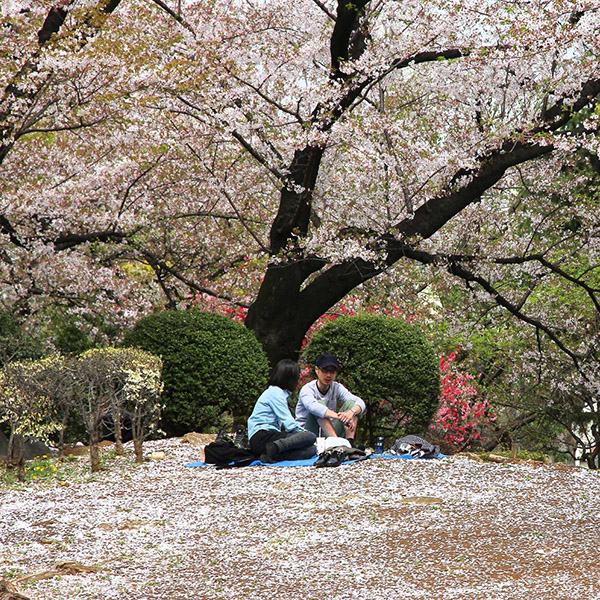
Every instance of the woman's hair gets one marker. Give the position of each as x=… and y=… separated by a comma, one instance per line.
x=285, y=374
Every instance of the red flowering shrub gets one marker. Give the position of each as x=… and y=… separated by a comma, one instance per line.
x=208, y=303
x=461, y=415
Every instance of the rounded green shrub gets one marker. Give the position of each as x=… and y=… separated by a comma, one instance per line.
x=390, y=365
x=214, y=369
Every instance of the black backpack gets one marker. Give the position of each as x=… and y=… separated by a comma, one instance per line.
x=224, y=453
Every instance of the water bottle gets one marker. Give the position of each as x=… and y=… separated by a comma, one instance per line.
x=379, y=445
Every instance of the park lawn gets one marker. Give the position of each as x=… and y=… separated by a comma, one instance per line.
x=449, y=529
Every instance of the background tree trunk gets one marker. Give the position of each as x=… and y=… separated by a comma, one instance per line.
x=138, y=449
x=94, y=452
x=15, y=456
x=118, y=415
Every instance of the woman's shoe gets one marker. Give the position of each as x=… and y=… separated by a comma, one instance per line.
x=336, y=458
x=272, y=451
x=322, y=460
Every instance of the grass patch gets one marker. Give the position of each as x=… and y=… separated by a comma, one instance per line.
x=62, y=471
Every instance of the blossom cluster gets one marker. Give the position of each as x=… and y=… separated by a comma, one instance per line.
x=462, y=413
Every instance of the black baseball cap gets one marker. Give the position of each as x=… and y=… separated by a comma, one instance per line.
x=327, y=360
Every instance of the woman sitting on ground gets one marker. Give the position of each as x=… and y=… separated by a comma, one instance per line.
x=271, y=412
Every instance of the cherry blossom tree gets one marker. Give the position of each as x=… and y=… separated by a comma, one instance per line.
x=278, y=155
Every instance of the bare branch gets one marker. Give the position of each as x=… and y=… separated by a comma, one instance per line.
x=324, y=9
x=153, y=258
x=174, y=15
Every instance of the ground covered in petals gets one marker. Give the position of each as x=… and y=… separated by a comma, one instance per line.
x=449, y=529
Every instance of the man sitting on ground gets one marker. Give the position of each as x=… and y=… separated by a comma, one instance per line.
x=317, y=408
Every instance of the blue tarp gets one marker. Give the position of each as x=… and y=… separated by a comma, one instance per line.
x=309, y=462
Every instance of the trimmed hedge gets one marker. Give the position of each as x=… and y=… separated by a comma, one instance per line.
x=214, y=369
x=390, y=365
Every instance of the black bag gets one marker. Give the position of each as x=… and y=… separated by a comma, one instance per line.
x=415, y=446
x=225, y=454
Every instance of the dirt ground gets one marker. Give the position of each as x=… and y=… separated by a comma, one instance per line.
x=448, y=529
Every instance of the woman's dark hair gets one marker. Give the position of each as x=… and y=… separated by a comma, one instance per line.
x=285, y=374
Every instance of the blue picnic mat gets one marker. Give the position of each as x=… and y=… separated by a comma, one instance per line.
x=309, y=462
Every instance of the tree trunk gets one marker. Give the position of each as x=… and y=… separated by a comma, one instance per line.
x=94, y=452
x=15, y=455
x=138, y=449
x=118, y=432
x=284, y=311
x=279, y=328
x=277, y=317
x=508, y=430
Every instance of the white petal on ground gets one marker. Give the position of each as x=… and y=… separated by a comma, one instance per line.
x=164, y=531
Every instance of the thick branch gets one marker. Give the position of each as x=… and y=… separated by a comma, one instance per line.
x=6, y=228
x=347, y=24
x=54, y=21
x=296, y=198
x=435, y=213
x=70, y=240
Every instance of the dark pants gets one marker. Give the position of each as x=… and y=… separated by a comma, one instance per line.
x=259, y=441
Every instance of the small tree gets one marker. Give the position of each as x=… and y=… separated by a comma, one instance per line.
x=54, y=380
x=214, y=368
x=92, y=399
x=26, y=408
x=138, y=386
x=389, y=364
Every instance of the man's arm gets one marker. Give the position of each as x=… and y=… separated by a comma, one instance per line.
x=308, y=403
x=343, y=395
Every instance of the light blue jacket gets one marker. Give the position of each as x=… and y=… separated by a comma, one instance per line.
x=271, y=411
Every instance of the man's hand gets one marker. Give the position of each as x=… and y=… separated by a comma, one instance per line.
x=346, y=417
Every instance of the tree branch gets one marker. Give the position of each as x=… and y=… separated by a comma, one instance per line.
x=154, y=259
x=87, y=24
x=324, y=9
x=70, y=240
x=174, y=15
x=591, y=292
x=256, y=155
x=435, y=213
x=346, y=24
x=455, y=268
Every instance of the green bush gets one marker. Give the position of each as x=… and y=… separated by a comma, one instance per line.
x=390, y=365
x=214, y=369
